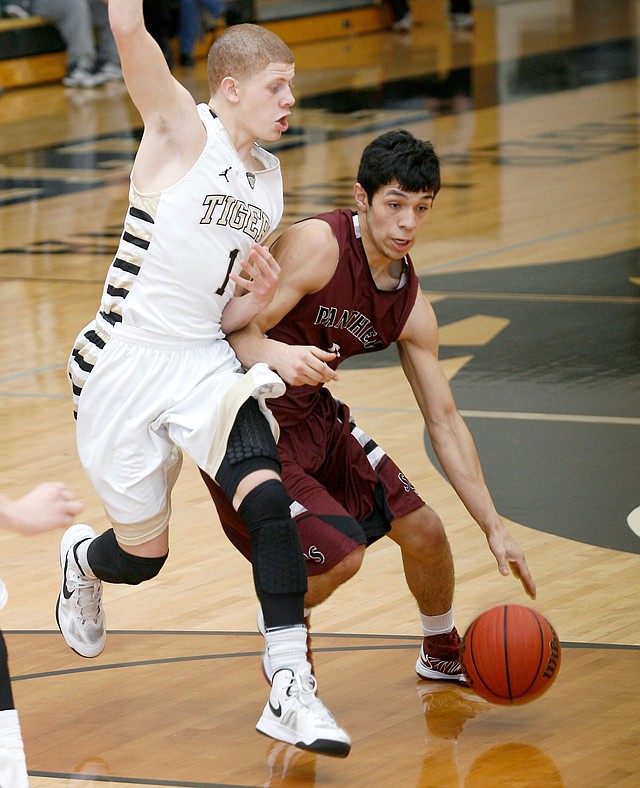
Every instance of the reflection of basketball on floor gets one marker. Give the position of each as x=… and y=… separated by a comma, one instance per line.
x=91, y=768
x=513, y=766
x=510, y=654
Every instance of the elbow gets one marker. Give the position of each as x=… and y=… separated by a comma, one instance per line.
x=125, y=27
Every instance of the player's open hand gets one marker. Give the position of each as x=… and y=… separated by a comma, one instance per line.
x=510, y=558
x=260, y=275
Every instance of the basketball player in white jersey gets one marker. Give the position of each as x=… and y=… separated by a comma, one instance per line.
x=49, y=505
x=153, y=375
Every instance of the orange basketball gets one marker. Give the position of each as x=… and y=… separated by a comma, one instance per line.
x=510, y=654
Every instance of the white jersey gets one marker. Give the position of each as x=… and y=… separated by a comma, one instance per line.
x=171, y=272
x=152, y=375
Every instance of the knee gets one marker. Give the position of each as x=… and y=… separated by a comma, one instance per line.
x=349, y=565
x=421, y=532
x=111, y=563
x=136, y=569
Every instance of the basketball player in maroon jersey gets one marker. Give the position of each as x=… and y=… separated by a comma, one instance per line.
x=347, y=286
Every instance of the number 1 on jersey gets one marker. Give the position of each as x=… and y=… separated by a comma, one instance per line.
x=232, y=258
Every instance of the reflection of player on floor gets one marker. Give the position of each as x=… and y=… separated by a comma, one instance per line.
x=446, y=707
x=289, y=766
x=347, y=286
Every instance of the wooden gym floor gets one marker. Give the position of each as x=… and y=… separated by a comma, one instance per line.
x=531, y=259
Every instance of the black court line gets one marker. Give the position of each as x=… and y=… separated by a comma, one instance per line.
x=230, y=655
x=416, y=640
x=131, y=780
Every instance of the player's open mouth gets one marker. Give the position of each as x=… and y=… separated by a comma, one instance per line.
x=401, y=243
x=283, y=123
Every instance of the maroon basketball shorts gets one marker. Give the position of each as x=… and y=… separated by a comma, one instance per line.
x=345, y=490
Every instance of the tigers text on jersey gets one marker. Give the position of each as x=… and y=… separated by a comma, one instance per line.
x=171, y=272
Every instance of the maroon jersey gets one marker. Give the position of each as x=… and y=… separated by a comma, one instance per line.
x=345, y=489
x=348, y=316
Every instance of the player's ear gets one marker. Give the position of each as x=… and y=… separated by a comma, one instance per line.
x=229, y=88
x=360, y=196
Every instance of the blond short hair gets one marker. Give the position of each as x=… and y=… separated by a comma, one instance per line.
x=241, y=51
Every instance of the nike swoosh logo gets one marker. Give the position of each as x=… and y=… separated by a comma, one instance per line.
x=276, y=712
x=65, y=591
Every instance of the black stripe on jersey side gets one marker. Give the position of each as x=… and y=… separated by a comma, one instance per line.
x=95, y=338
x=132, y=239
x=117, y=292
x=138, y=214
x=81, y=360
x=370, y=446
x=111, y=317
x=123, y=265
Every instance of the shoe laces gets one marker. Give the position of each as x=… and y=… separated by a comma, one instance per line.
x=304, y=686
x=89, y=596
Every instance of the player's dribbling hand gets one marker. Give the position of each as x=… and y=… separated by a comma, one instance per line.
x=510, y=559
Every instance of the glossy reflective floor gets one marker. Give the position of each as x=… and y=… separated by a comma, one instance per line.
x=531, y=258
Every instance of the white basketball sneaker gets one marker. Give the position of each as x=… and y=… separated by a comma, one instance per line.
x=79, y=610
x=4, y=594
x=13, y=769
x=294, y=714
x=266, y=661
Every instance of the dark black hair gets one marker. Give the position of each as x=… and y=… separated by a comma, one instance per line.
x=399, y=156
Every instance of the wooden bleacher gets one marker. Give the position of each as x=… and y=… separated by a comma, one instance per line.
x=32, y=52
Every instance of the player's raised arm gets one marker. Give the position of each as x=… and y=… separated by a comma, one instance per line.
x=173, y=134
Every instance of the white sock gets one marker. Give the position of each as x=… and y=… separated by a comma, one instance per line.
x=287, y=647
x=13, y=768
x=437, y=625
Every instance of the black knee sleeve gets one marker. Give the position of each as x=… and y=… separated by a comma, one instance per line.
x=251, y=447
x=6, y=694
x=278, y=562
x=109, y=562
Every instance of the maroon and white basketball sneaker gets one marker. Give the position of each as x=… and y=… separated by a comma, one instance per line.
x=440, y=658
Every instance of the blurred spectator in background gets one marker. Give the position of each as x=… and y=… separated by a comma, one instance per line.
x=92, y=56
x=160, y=19
x=192, y=26
x=460, y=14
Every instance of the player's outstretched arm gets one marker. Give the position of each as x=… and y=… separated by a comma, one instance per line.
x=49, y=505
x=451, y=439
